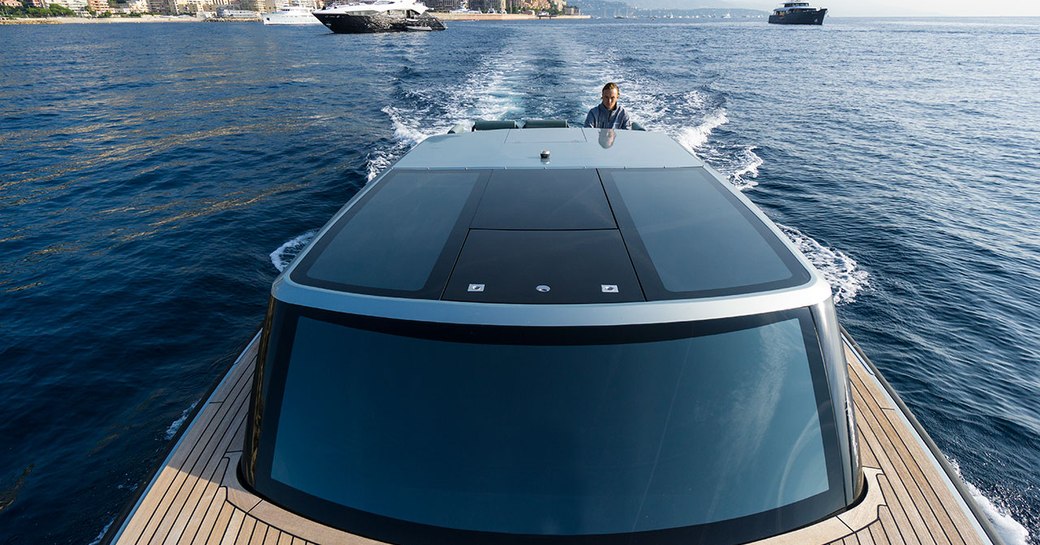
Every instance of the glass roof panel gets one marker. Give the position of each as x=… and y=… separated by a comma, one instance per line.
x=689, y=236
x=544, y=199
x=394, y=241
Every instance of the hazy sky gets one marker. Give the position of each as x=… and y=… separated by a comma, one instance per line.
x=876, y=8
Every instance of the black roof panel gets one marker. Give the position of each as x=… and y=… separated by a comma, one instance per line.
x=544, y=267
x=544, y=199
x=607, y=235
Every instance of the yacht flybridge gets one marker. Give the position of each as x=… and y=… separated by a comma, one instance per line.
x=524, y=333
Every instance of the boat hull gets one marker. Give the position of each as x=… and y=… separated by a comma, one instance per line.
x=341, y=23
x=799, y=18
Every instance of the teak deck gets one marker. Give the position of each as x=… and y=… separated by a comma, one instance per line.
x=196, y=497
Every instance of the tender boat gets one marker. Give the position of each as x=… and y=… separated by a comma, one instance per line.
x=526, y=333
x=290, y=15
x=378, y=16
x=797, y=13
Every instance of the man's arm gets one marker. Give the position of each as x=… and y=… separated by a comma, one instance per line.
x=590, y=119
x=625, y=122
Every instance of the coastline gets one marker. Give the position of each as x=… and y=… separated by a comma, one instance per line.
x=188, y=19
x=87, y=20
x=448, y=16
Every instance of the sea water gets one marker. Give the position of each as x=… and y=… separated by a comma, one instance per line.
x=154, y=178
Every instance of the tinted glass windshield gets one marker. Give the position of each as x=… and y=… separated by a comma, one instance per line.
x=570, y=432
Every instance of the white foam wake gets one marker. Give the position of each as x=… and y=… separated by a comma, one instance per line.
x=409, y=130
x=492, y=91
x=286, y=253
x=691, y=118
x=176, y=424
x=694, y=137
x=104, y=531
x=743, y=177
x=1010, y=530
x=840, y=270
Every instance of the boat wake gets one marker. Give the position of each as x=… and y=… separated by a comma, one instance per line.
x=691, y=118
x=840, y=270
x=1010, y=530
x=286, y=253
x=692, y=138
x=489, y=93
x=101, y=534
x=409, y=130
x=175, y=426
x=744, y=176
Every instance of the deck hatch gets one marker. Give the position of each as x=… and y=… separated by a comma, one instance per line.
x=544, y=199
x=557, y=267
x=691, y=237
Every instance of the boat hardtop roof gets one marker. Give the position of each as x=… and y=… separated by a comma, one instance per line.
x=788, y=6
x=611, y=226
x=352, y=5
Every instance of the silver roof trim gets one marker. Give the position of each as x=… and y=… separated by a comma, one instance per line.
x=455, y=312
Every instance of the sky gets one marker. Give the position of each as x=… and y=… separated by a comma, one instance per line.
x=875, y=8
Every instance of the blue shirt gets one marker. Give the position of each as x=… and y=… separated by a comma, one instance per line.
x=602, y=118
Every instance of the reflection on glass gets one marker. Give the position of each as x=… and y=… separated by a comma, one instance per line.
x=552, y=439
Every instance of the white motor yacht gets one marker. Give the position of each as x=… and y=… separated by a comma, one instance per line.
x=290, y=15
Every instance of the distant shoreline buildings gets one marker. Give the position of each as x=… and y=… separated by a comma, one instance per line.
x=555, y=7
x=199, y=8
x=251, y=9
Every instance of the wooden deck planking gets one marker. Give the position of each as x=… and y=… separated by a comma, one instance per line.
x=953, y=520
x=234, y=527
x=271, y=538
x=245, y=534
x=915, y=488
x=909, y=520
x=923, y=502
x=201, y=468
x=200, y=448
x=888, y=522
x=209, y=518
x=867, y=458
x=210, y=492
x=191, y=501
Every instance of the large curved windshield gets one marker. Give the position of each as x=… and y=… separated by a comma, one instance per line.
x=552, y=431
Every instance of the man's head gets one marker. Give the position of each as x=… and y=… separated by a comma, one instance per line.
x=610, y=95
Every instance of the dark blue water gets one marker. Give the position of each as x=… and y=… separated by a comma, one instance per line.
x=153, y=177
